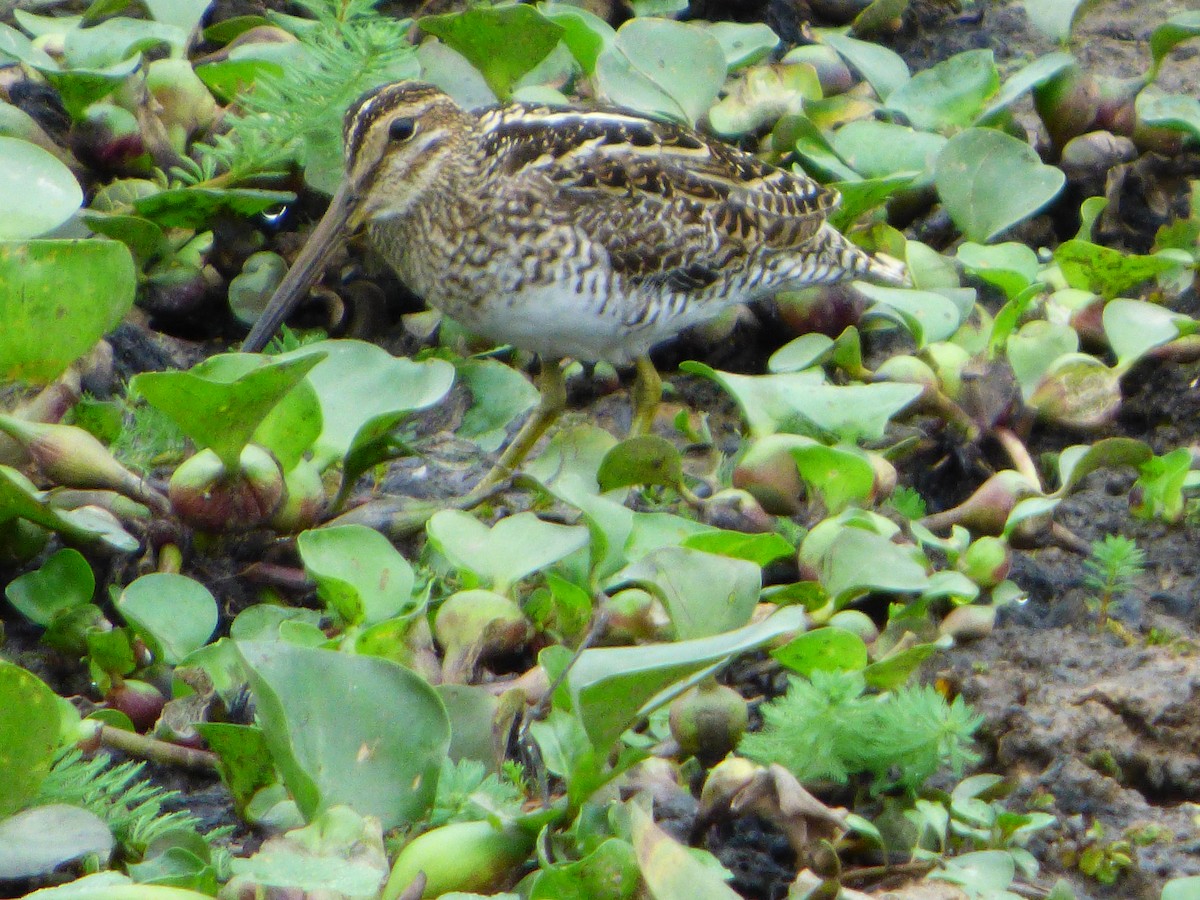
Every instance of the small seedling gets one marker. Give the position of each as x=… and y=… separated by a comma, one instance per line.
x=1113, y=569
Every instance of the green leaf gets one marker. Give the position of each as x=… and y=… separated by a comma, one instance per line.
x=950, y=94
x=503, y=42
x=500, y=395
x=882, y=68
x=648, y=460
x=185, y=14
x=195, y=207
x=1105, y=271
x=762, y=96
x=244, y=758
x=63, y=582
x=662, y=68
x=989, y=181
x=514, y=547
x=174, y=614
x=1166, y=37
x=759, y=549
x=859, y=562
x=1033, y=349
x=878, y=149
x=611, y=687
x=704, y=594
x=1080, y=460
x=671, y=870
x=928, y=316
x=30, y=731
x=221, y=402
x=1175, y=111
x=743, y=44
x=1134, y=328
x=824, y=648
x=57, y=299
x=584, y=33
x=358, y=382
x=1010, y=266
x=357, y=730
x=1023, y=81
x=1182, y=888
x=1056, y=18
x=359, y=574
x=41, y=193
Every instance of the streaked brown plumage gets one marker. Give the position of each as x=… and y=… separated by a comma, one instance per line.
x=593, y=234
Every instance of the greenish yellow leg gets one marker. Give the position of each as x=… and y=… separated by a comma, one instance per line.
x=553, y=388
x=647, y=392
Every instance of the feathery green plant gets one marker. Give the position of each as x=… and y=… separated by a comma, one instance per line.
x=297, y=115
x=130, y=805
x=1113, y=569
x=827, y=729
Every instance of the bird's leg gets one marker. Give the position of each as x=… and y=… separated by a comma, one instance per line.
x=553, y=388
x=647, y=392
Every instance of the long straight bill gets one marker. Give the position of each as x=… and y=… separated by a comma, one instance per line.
x=304, y=271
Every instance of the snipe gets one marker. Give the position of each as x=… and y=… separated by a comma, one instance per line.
x=592, y=234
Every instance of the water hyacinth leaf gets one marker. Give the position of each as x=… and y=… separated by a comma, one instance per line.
x=611, y=687
x=573, y=453
x=1078, y=391
x=319, y=709
x=610, y=872
x=1056, y=18
x=245, y=760
x=358, y=572
x=30, y=731
x=1163, y=110
x=514, y=547
x=1077, y=462
x=895, y=670
x=503, y=42
x=879, y=16
x=662, y=68
x=759, y=549
x=1010, y=266
x=174, y=614
x=1105, y=271
x=841, y=476
x=950, y=94
x=57, y=299
x=927, y=316
x=1022, y=82
x=883, y=69
x=877, y=149
x=145, y=240
x=500, y=395
x=864, y=195
x=704, y=594
x=743, y=43
x=222, y=401
x=184, y=14
x=1187, y=888
x=357, y=381
x=292, y=425
x=584, y=33
x=1134, y=328
x=647, y=460
x=814, y=150
x=824, y=648
x=29, y=213
x=37, y=841
x=989, y=181
x=80, y=88
x=853, y=412
x=195, y=207
x=765, y=402
x=1035, y=347
x=859, y=562
x=115, y=40
x=762, y=95
x=800, y=353
x=1166, y=37
x=670, y=870
x=62, y=582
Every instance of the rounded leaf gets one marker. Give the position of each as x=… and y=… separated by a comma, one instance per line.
x=39, y=192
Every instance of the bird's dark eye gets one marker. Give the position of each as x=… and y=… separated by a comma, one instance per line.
x=402, y=129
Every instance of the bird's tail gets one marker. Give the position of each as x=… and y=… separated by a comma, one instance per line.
x=849, y=261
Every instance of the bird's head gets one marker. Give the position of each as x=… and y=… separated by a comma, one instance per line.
x=399, y=139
